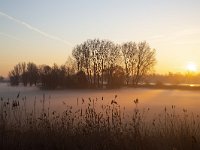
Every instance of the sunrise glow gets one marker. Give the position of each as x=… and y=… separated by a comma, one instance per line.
x=192, y=67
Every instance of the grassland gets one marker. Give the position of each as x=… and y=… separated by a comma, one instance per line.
x=93, y=125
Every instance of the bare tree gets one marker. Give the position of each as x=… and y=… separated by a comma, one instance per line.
x=44, y=73
x=145, y=61
x=32, y=71
x=129, y=51
x=111, y=60
x=24, y=73
x=15, y=74
x=94, y=56
x=70, y=66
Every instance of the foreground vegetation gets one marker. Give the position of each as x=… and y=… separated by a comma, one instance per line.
x=94, y=125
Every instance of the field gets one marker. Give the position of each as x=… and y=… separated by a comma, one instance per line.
x=86, y=121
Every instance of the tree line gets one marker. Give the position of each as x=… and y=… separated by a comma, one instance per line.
x=95, y=63
x=174, y=78
x=1, y=78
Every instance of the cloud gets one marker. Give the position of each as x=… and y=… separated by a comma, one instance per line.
x=32, y=28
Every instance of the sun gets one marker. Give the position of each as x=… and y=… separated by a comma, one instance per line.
x=192, y=67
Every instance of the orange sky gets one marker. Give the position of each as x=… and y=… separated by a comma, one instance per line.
x=45, y=31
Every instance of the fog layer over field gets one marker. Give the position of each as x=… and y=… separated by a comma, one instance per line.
x=57, y=100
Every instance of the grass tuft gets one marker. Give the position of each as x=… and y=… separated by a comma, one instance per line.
x=94, y=125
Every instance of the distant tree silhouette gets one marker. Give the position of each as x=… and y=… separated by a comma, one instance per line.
x=129, y=51
x=70, y=77
x=62, y=75
x=145, y=60
x=24, y=74
x=82, y=81
x=95, y=63
x=94, y=57
x=45, y=76
x=1, y=78
x=32, y=71
x=174, y=78
x=97, y=58
x=14, y=75
x=117, y=77
x=70, y=66
x=111, y=60
x=55, y=72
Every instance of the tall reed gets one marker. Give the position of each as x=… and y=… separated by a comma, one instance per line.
x=91, y=124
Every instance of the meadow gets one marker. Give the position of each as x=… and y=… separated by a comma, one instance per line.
x=91, y=122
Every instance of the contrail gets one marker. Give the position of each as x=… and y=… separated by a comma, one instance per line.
x=30, y=27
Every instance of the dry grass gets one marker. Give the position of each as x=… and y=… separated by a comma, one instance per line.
x=92, y=125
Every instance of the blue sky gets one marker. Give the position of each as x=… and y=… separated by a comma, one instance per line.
x=45, y=31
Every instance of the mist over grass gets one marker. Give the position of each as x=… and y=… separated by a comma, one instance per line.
x=91, y=124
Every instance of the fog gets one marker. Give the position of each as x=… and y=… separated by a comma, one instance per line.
x=57, y=100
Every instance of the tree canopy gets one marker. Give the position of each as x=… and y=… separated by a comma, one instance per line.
x=94, y=63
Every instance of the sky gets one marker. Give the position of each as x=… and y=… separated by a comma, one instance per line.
x=45, y=31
